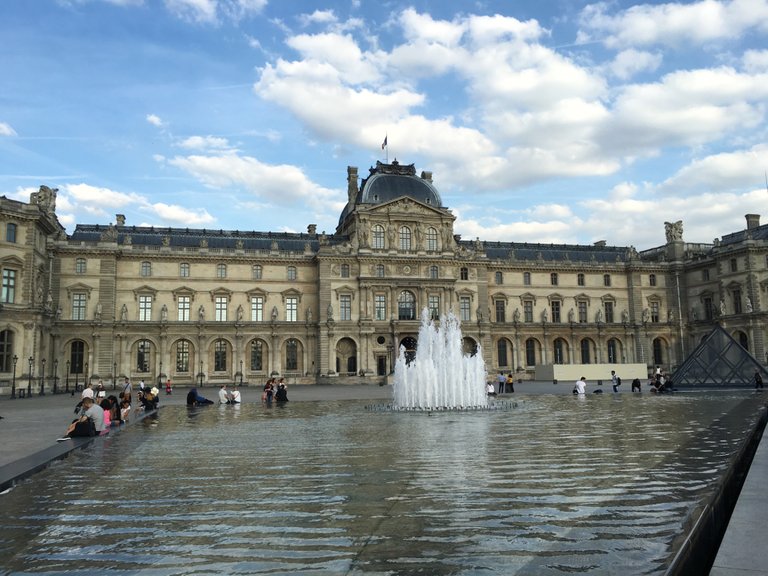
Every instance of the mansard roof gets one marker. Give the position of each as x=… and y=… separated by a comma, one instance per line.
x=535, y=252
x=190, y=237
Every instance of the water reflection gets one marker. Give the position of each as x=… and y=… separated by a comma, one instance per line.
x=555, y=486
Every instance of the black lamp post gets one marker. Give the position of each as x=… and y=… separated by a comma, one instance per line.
x=85, y=381
x=160, y=376
x=201, y=373
x=55, y=375
x=13, y=386
x=241, y=373
x=114, y=376
x=66, y=382
x=29, y=386
x=42, y=378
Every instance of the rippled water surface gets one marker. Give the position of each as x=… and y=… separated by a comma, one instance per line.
x=558, y=485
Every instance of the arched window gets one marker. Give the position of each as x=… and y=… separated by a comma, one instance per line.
x=220, y=355
x=77, y=357
x=503, y=349
x=464, y=273
x=744, y=340
x=530, y=352
x=406, y=306
x=182, y=355
x=586, y=357
x=658, y=351
x=431, y=240
x=292, y=354
x=377, y=233
x=613, y=351
x=559, y=350
x=257, y=356
x=143, y=355
x=405, y=238
x=6, y=351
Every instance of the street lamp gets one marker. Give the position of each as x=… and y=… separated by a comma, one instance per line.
x=42, y=378
x=85, y=381
x=201, y=373
x=13, y=386
x=55, y=375
x=114, y=376
x=29, y=386
x=241, y=373
x=66, y=382
x=160, y=376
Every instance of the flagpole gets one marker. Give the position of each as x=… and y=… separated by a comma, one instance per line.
x=385, y=147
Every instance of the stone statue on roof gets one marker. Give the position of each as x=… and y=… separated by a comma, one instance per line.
x=673, y=231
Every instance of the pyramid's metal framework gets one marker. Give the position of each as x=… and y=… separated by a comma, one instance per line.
x=720, y=361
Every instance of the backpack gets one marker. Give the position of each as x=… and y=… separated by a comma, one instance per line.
x=618, y=380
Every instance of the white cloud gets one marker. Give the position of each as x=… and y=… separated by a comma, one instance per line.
x=182, y=215
x=211, y=11
x=628, y=63
x=155, y=120
x=756, y=61
x=317, y=17
x=6, y=130
x=726, y=171
x=205, y=143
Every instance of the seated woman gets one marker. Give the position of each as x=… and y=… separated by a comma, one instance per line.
x=194, y=399
x=282, y=393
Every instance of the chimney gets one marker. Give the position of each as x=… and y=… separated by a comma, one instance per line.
x=753, y=221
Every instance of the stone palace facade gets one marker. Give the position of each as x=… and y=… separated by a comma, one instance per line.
x=215, y=306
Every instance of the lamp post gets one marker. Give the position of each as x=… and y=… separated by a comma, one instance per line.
x=66, y=382
x=160, y=376
x=29, y=386
x=42, y=378
x=55, y=375
x=241, y=373
x=85, y=381
x=13, y=386
x=201, y=373
x=114, y=376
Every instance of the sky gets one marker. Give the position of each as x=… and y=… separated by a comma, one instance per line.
x=557, y=121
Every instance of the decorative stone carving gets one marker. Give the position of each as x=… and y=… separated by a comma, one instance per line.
x=124, y=313
x=673, y=231
x=164, y=313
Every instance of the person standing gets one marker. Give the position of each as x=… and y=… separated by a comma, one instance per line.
x=615, y=381
x=580, y=387
x=168, y=388
x=502, y=381
x=510, y=383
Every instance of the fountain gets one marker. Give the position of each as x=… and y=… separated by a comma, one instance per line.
x=440, y=376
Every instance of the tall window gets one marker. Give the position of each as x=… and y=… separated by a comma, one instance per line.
x=291, y=272
x=220, y=356
x=145, y=308
x=734, y=265
x=464, y=308
x=80, y=266
x=709, y=310
x=553, y=279
x=433, y=303
x=292, y=354
x=77, y=357
x=6, y=351
x=501, y=352
x=526, y=278
x=705, y=274
x=580, y=279
x=291, y=309
x=146, y=269
x=143, y=355
x=184, y=270
x=606, y=279
x=608, y=307
x=433, y=272
x=737, y=301
x=559, y=350
x=501, y=315
x=654, y=311
x=380, y=306
x=658, y=352
x=406, y=306
x=345, y=307
x=257, y=308
x=582, y=305
x=345, y=270
x=379, y=270
x=9, y=286
x=530, y=352
x=652, y=279
x=184, y=305
x=528, y=310
x=220, y=308
x=256, y=271
x=257, y=355
x=405, y=238
x=585, y=355
x=221, y=270
x=464, y=273
x=182, y=356
x=78, y=306
x=377, y=234
x=10, y=232
x=499, y=278
x=431, y=239
x=613, y=356
x=556, y=306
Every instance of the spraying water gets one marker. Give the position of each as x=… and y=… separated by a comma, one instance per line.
x=440, y=376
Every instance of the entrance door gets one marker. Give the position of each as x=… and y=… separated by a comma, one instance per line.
x=381, y=365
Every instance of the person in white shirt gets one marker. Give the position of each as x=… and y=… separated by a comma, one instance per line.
x=581, y=386
x=235, y=396
x=87, y=392
x=224, y=397
x=490, y=389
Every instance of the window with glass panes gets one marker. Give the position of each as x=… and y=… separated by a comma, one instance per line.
x=433, y=272
x=9, y=286
x=612, y=351
x=380, y=270
x=709, y=310
x=6, y=351
x=291, y=309
x=80, y=266
x=345, y=270
x=737, y=301
x=377, y=236
x=465, y=308
x=182, y=356
x=146, y=269
x=143, y=352
x=220, y=308
x=10, y=232
x=580, y=279
x=464, y=274
x=499, y=278
x=256, y=272
x=184, y=270
x=345, y=307
x=582, y=311
x=145, y=308
x=555, y=306
x=220, y=355
x=257, y=355
x=221, y=270
x=553, y=279
x=431, y=239
x=501, y=352
x=78, y=306
x=652, y=279
x=184, y=304
x=380, y=306
x=501, y=311
x=406, y=306
x=292, y=354
x=77, y=357
x=528, y=310
x=654, y=311
x=433, y=303
x=559, y=350
x=257, y=308
x=291, y=272
x=608, y=308
x=405, y=238
x=606, y=279
x=530, y=352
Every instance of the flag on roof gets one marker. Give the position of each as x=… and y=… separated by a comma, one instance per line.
x=384, y=144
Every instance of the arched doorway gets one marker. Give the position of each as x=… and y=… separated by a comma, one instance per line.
x=346, y=357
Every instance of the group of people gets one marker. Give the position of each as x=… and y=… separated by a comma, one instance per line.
x=506, y=384
x=658, y=383
x=275, y=390
x=227, y=397
x=97, y=412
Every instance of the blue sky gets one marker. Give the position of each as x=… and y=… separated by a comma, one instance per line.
x=545, y=121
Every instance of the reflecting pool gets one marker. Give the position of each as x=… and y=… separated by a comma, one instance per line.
x=558, y=485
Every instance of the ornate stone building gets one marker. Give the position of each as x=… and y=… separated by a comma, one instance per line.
x=213, y=306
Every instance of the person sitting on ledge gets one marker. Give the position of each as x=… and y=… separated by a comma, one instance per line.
x=490, y=390
x=90, y=422
x=194, y=399
x=224, y=396
x=235, y=396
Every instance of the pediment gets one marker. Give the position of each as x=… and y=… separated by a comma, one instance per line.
x=405, y=207
x=184, y=291
x=79, y=287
